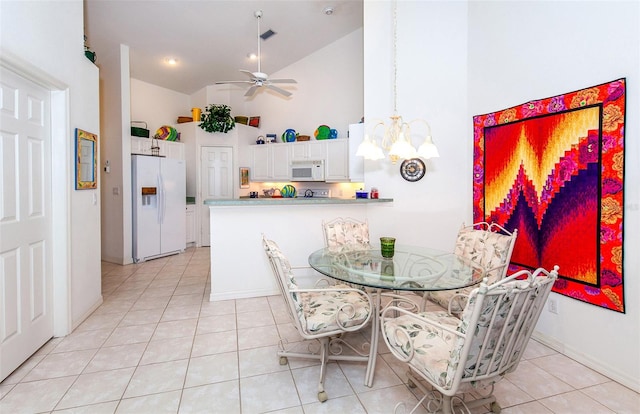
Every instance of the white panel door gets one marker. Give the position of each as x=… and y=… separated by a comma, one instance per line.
x=26, y=295
x=216, y=181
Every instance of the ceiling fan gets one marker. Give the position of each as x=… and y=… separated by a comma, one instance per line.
x=259, y=79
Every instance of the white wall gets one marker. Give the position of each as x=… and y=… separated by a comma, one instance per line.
x=431, y=84
x=157, y=106
x=33, y=33
x=508, y=65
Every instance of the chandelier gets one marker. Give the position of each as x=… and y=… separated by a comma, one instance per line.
x=396, y=138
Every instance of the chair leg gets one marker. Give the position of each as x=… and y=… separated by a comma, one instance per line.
x=324, y=358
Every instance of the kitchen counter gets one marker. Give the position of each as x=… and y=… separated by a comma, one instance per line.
x=266, y=201
x=239, y=266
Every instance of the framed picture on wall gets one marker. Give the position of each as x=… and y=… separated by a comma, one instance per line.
x=244, y=177
x=86, y=160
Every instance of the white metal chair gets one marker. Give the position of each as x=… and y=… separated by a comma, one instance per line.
x=457, y=355
x=320, y=314
x=489, y=246
x=341, y=233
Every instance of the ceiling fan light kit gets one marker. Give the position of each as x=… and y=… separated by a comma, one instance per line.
x=260, y=79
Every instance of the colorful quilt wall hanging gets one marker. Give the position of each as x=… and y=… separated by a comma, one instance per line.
x=554, y=169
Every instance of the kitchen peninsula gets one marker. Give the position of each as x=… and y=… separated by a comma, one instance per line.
x=239, y=267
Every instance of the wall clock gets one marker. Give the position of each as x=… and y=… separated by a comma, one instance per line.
x=412, y=170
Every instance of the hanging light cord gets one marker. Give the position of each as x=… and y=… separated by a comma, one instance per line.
x=395, y=57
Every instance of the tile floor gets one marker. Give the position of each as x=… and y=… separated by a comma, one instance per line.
x=157, y=345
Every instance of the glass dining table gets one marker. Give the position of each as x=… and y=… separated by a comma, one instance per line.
x=412, y=268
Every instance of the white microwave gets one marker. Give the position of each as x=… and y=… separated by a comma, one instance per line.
x=307, y=171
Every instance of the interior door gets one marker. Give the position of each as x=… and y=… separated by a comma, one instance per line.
x=26, y=295
x=216, y=182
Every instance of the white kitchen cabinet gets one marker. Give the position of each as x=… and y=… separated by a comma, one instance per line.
x=308, y=151
x=169, y=149
x=337, y=161
x=270, y=162
x=260, y=163
x=191, y=223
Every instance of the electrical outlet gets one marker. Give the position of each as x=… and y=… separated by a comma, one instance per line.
x=553, y=306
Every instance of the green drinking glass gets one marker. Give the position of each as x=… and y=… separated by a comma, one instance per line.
x=387, y=246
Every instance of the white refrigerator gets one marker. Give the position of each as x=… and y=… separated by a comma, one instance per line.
x=159, y=204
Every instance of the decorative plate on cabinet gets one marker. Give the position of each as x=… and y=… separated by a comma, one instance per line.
x=413, y=169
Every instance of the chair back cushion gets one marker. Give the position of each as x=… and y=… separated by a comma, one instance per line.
x=488, y=248
x=340, y=233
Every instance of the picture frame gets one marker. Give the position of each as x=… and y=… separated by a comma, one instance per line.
x=244, y=177
x=254, y=121
x=86, y=160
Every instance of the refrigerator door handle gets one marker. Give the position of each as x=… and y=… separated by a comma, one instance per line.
x=161, y=205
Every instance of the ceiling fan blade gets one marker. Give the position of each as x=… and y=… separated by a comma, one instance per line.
x=225, y=82
x=282, y=81
x=249, y=74
x=279, y=90
x=251, y=91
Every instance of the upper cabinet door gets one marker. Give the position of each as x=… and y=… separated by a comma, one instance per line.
x=308, y=151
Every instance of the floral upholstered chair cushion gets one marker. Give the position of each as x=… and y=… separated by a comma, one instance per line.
x=334, y=309
x=489, y=249
x=346, y=233
x=321, y=310
x=437, y=352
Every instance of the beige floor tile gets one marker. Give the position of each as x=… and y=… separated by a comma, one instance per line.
x=616, y=397
x=509, y=395
x=176, y=313
x=254, y=319
x=141, y=317
x=252, y=305
x=384, y=375
x=131, y=334
x=164, y=402
x=258, y=361
x=100, y=408
x=569, y=371
x=257, y=337
x=115, y=357
x=22, y=371
x=62, y=364
x=349, y=404
x=533, y=407
x=574, y=402
x=83, y=340
x=222, y=323
x=537, y=382
x=214, y=343
x=21, y=398
x=175, y=329
x=268, y=392
x=167, y=350
x=219, y=398
x=306, y=380
x=157, y=378
x=91, y=389
x=210, y=369
x=223, y=307
x=381, y=401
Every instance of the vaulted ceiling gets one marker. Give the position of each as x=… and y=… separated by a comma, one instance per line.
x=211, y=39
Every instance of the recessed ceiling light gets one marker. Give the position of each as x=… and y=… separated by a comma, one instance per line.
x=252, y=56
x=328, y=10
x=171, y=61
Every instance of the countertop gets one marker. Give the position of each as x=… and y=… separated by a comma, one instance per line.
x=247, y=201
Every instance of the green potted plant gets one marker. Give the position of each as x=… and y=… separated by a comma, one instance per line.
x=217, y=118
